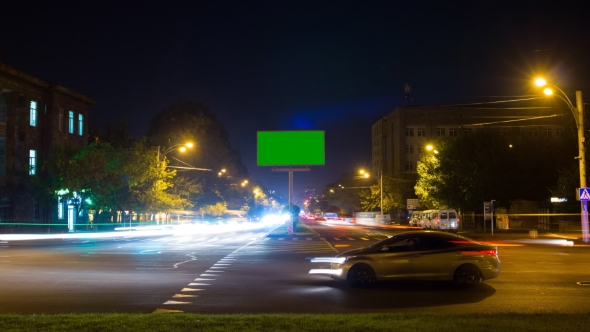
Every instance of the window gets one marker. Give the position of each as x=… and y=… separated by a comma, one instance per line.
x=440, y=131
x=420, y=148
x=32, y=161
x=546, y=132
x=422, y=132
x=60, y=120
x=453, y=132
x=409, y=166
x=71, y=122
x=80, y=124
x=533, y=132
x=559, y=132
x=504, y=131
x=467, y=131
x=409, y=149
x=409, y=132
x=33, y=114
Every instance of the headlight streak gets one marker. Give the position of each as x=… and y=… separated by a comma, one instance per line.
x=336, y=260
x=131, y=232
x=326, y=271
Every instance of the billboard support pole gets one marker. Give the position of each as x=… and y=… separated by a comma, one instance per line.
x=291, y=170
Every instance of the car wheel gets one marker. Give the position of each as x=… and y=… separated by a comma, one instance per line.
x=361, y=276
x=467, y=275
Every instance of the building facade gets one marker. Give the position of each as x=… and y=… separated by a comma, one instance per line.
x=399, y=138
x=35, y=116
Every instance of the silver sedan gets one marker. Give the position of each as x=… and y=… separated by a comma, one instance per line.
x=416, y=255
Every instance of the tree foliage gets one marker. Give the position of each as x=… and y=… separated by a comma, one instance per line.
x=193, y=122
x=471, y=169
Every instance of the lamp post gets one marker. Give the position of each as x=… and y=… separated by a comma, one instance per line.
x=177, y=147
x=578, y=113
x=366, y=175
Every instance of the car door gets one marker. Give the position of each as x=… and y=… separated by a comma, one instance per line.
x=435, y=257
x=393, y=260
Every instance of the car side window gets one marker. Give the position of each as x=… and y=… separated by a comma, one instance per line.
x=440, y=243
x=443, y=215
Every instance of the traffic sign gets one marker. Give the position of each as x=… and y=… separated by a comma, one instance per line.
x=413, y=203
x=584, y=194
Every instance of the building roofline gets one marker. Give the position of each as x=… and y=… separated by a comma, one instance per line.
x=10, y=71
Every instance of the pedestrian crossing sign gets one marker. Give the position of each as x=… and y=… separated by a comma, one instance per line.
x=584, y=194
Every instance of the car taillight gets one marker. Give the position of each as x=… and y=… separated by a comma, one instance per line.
x=437, y=221
x=457, y=220
x=491, y=252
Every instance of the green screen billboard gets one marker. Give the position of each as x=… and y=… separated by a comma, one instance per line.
x=291, y=148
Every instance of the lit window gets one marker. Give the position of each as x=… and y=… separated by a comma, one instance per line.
x=409, y=149
x=409, y=132
x=60, y=120
x=33, y=114
x=421, y=132
x=80, y=124
x=71, y=122
x=453, y=132
x=440, y=131
x=32, y=161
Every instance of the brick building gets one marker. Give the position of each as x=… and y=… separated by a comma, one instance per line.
x=35, y=116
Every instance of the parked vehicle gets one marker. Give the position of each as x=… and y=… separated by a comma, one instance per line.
x=425, y=219
x=445, y=220
x=415, y=218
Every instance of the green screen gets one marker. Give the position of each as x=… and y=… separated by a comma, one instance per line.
x=290, y=148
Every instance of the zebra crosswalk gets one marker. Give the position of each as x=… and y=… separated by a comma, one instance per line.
x=294, y=245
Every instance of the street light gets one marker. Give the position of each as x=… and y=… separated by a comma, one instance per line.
x=177, y=147
x=366, y=175
x=578, y=113
x=431, y=148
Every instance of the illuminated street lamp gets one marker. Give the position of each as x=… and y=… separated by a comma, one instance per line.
x=578, y=113
x=366, y=175
x=431, y=148
x=176, y=147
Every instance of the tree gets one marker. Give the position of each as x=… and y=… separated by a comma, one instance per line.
x=184, y=122
x=471, y=169
x=567, y=182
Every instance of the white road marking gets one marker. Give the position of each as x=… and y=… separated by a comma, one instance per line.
x=214, y=271
x=165, y=311
x=198, y=284
x=209, y=275
x=197, y=279
x=176, y=302
x=183, y=295
x=190, y=289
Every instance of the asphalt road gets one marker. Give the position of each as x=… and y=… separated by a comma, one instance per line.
x=246, y=271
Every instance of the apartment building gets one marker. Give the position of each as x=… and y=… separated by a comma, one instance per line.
x=35, y=116
x=401, y=136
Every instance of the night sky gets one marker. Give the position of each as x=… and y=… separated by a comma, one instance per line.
x=282, y=65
